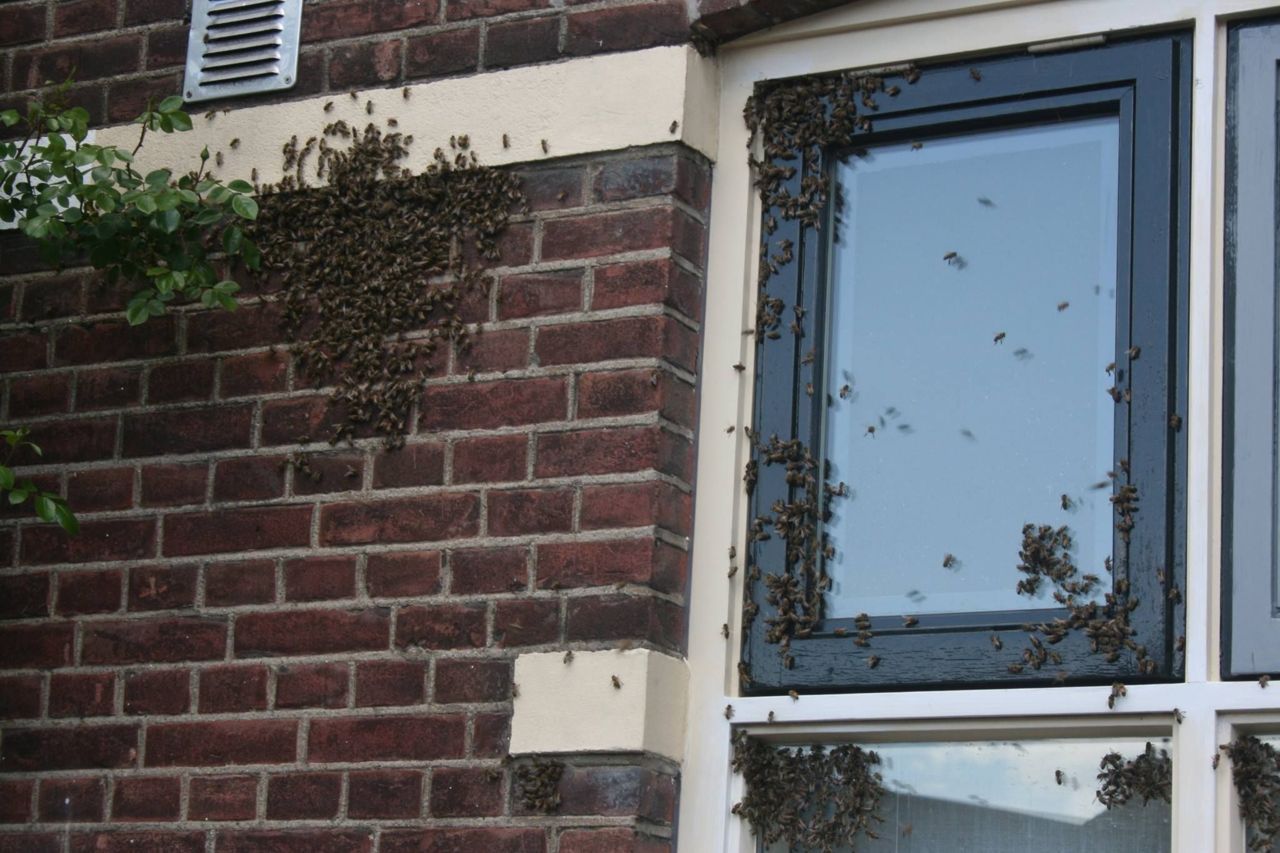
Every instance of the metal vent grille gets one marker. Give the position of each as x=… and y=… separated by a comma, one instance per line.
x=239, y=47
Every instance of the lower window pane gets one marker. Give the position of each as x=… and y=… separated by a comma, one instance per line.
x=1015, y=796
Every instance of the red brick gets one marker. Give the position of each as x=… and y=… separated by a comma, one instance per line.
x=322, y=685
x=485, y=405
x=80, y=440
x=312, y=632
x=637, y=505
x=622, y=617
x=458, y=10
x=150, y=11
x=237, y=530
x=162, y=587
x=328, y=472
x=128, y=98
x=57, y=296
x=540, y=293
x=216, y=744
x=157, y=691
x=22, y=24
x=618, y=840
x=229, y=689
x=19, y=697
x=502, y=350
x=223, y=798
x=389, y=682
x=606, y=340
x=31, y=646
x=303, y=796
x=97, y=541
x=153, y=798
x=591, y=235
x=249, y=478
x=618, y=791
x=174, y=485
x=384, y=794
x=611, y=450
x=447, y=626
x=20, y=351
x=418, y=519
x=471, y=680
x=87, y=60
x=633, y=392
x=251, y=326
x=188, y=430
x=68, y=800
x=108, y=388
x=465, y=792
x=42, y=394
x=522, y=42
x=82, y=694
x=464, y=840
x=411, y=465
x=15, y=800
x=296, y=841
x=154, y=640
x=24, y=596
x=527, y=623
x=403, y=574
x=417, y=738
x=182, y=381
x=101, y=489
x=114, y=340
x=348, y=18
x=367, y=63
x=523, y=512
x=30, y=842
x=166, y=47
x=627, y=28
x=492, y=735
x=440, y=53
x=319, y=578
x=76, y=748
x=488, y=570
x=640, y=561
x=490, y=459
x=249, y=582
x=89, y=592
x=257, y=373
x=138, y=842
x=299, y=420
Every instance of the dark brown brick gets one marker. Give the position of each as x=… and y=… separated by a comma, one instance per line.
x=97, y=541
x=180, y=382
x=440, y=53
x=492, y=735
x=403, y=574
x=540, y=293
x=162, y=587
x=530, y=511
x=24, y=596
x=138, y=841
x=113, y=340
x=502, y=350
x=637, y=505
x=188, y=430
x=485, y=405
x=174, y=485
x=418, y=738
x=527, y=623
x=522, y=42
x=151, y=11
x=617, y=840
x=22, y=23
x=148, y=799
x=384, y=794
x=321, y=685
x=490, y=459
x=59, y=296
x=303, y=796
x=88, y=60
x=68, y=800
x=78, y=440
x=166, y=47
x=30, y=842
x=82, y=694
x=157, y=691
x=641, y=561
x=465, y=792
x=31, y=646
x=223, y=798
x=15, y=800
x=89, y=592
x=108, y=388
x=464, y=840
x=471, y=680
x=319, y=578
x=618, y=791
x=628, y=337
x=42, y=394
x=100, y=489
x=411, y=465
x=79, y=748
x=256, y=373
x=623, y=617
x=458, y=10
x=23, y=351
x=19, y=698
x=592, y=235
x=237, y=530
x=249, y=478
x=420, y=519
x=445, y=626
x=216, y=744
x=248, y=582
x=231, y=689
x=610, y=450
x=632, y=392
x=154, y=640
x=366, y=63
x=312, y=632
x=250, y=326
x=296, y=841
x=389, y=682
x=630, y=27
x=488, y=570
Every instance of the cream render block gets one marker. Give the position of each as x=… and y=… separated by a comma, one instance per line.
x=575, y=707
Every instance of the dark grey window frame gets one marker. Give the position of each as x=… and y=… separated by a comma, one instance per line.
x=1251, y=620
x=1147, y=82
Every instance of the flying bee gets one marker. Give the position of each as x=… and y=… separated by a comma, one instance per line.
x=985, y=202
x=910, y=621
x=1063, y=306
x=1067, y=503
x=368, y=107
x=217, y=158
x=795, y=697
x=546, y=149
x=999, y=338
x=968, y=434
x=916, y=146
x=1022, y=354
x=617, y=682
x=871, y=431
x=1059, y=777
x=975, y=75
x=845, y=391
x=675, y=125
x=1110, y=368
x=950, y=256
x=404, y=93
x=729, y=428
x=1178, y=716
x=949, y=561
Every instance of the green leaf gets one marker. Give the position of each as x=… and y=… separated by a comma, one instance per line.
x=168, y=220
x=146, y=204
x=6, y=478
x=181, y=121
x=44, y=507
x=252, y=255
x=170, y=104
x=137, y=313
x=66, y=518
x=245, y=207
x=240, y=186
x=9, y=118
x=232, y=239
x=17, y=496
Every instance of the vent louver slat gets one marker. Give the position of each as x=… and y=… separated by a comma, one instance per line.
x=240, y=47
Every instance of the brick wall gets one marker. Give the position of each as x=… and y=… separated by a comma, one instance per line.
x=233, y=656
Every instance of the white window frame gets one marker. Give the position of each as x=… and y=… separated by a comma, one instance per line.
x=876, y=33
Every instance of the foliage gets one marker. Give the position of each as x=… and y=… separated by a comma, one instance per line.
x=160, y=231
x=48, y=507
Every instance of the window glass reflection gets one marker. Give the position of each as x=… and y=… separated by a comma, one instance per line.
x=971, y=322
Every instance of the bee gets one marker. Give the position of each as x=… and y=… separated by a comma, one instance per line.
x=1175, y=423
x=1022, y=354
x=985, y=202
x=1178, y=716
x=949, y=561
x=1063, y=306
x=916, y=146
x=873, y=661
x=968, y=434
x=617, y=682
x=1059, y=777
x=996, y=642
x=1117, y=691
x=1060, y=677
x=795, y=697
x=392, y=123
x=1116, y=394
x=515, y=690
x=728, y=712
x=1133, y=353
x=1067, y=503
x=546, y=149
x=506, y=141
x=975, y=74
x=404, y=93
x=950, y=256
x=568, y=656
x=912, y=74
x=733, y=570
x=739, y=367
x=910, y=621
x=235, y=143
x=845, y=391
x=769, y=719
x=1110, y=368
x=1015, y=668
x=368, y=107
x=729, y=428
x=1214, y=762
x=217, y=158
x=1101, y=484
x=675, y=125
x=1263, y=681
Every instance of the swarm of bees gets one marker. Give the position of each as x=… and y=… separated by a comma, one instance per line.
x=538, y=785
x=1255, y=770
x=1149, y=776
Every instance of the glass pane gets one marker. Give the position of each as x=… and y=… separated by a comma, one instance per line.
x=1009, y=797
x=972, y=321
